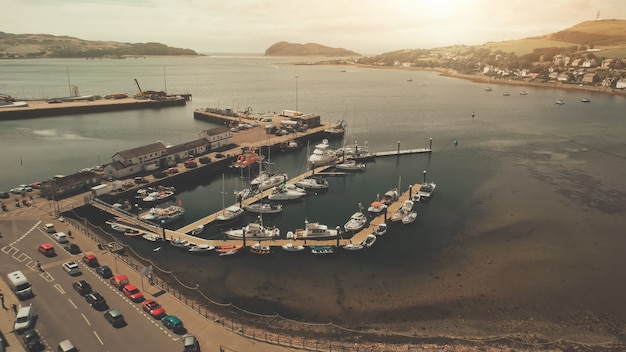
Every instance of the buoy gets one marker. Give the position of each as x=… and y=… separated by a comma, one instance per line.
x=456, y=142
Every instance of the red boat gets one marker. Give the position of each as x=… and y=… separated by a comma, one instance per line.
x=248, y=158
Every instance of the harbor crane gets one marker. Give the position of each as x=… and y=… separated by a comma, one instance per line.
x=149, y=94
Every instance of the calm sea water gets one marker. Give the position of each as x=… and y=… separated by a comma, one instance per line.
x=380, y=106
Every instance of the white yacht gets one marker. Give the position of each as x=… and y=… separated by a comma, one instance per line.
x=254, y=231
x=286, y=192
x=231, y=213
x=350, y=165
x=357, y=221
x=322, y=155
x=315, y=231
x=426, y=190
x=406, y=208
x=164, y=215
x=272, y=181
x=264, y=208
x=313, y=183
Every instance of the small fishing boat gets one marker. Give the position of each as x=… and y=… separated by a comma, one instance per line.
x=180, y=243
x=314, y=231
x=254, y=231
x=380, y=230
x=133, y=233
x=228, y=250
x=231, y=213
x=164, y=215
x=290, y=247
x=273, y=181
x=197, y=230
x=201, y=248
x=353, y=246
x=158, y=196
x=322, y=250
x=369, y=240
x=257, y=248
x=409, y=218
x=585, y=100
x=289, y=146
x=560, y=102
x=376, y=207
x=152, y=237
x=357, y=221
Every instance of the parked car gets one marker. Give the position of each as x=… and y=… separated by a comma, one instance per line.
x=46, y=249
x=151, y=307
x=66, y=346
x=32, y=340
x=190, y=164
x=119, y=281
x=171, y=171
x=60, y=237
x=82, y=287
x=72, y=248
x=190, y=344
x=204, y=160
x=104, y=271
x=25, y=319
x=71, y=268
x=90, y=259
x=159, y=174
x=172, y=322
x=96, y=300
x=4, y=195
x=132, y=292
x=114, y=317
x=140, y=180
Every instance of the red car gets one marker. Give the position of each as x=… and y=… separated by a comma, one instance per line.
x=119, y=281
x=133, y=293
x=46, y=249
x=153, y=308
x=171, y=171
x=91, y=260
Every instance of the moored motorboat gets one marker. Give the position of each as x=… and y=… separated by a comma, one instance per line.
x=350, y=165
x=426, y=190
x=133, y=233
x=152, y=237
x=273, y=181
x=315, y=231
x=322, y=250
x=254, y=231
x=286, y=192
x=369, y=240
x=409, y=218
x=390, y=196
x=313, y=183
x=180, y=243
x=289, y=146
x=560, y=102
x=407, y=206
x=258, y=248
x=264, y=208
x=228, y=250
x=322, y=155
x=381, y=229
x=290, y=247
x=247, y=158
x=353, y=246
x=376, y=207
x=357, y=221
x=231, y=213
x=158, y=196
x=197, y=230
x=201, y=248
x=164, y=215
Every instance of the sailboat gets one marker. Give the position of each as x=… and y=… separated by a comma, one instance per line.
x=231, y=213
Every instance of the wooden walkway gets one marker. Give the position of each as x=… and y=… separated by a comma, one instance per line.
x=403, y=152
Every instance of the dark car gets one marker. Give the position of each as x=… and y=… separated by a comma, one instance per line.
x=32, y=340
x=96, y=300
x=104, y=271
x=114, y=317
x=139, y=180
x=204, y=160
x=159, y=174
x=72, y=248
x=82, y=287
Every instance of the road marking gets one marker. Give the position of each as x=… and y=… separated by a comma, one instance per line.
x=46, y=276
x=87, y=320
x=9, y=249
x=72, y=303
x=22, y=257
x=59, y=288
x=98, y=337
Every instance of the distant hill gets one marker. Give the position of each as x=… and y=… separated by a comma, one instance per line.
x=45, y=45
x=308, y=49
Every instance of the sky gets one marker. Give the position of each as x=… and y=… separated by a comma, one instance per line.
x=368, y=27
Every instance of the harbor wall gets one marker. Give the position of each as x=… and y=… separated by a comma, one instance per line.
x=44, y=109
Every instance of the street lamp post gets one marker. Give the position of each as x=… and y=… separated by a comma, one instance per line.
x=296, y=93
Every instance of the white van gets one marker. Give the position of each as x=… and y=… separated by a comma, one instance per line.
x=49, y=228
x=25, y=319
x=19, y=284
